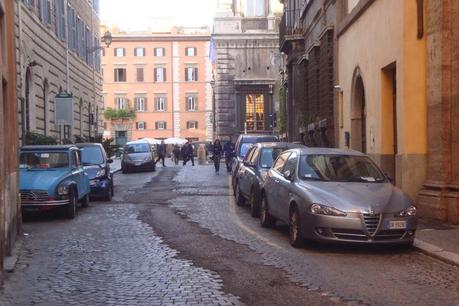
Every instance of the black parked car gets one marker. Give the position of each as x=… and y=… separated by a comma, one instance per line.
x=253, y=170
x=243, y=144
x=97, y=165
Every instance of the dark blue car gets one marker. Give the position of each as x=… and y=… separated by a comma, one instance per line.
x=97, y=165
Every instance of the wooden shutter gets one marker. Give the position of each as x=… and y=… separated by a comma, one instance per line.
x=114, y=51
x=196, y=125
x=156, y=74
x=156, y=125
x=186, y=75
x=164, y=52
x=196, y=106
x=144, y=125
x=196, y=74
x=195, y=51
x=136, y=125
x=140, y=75
x=145, y=107
x=165, y=125
x=135, y=51
x=164, y=74
x=124, y=52
x=165, y=103
x=115, y=76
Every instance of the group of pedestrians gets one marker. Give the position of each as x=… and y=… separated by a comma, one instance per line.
x=187, y=153
x=218, y=151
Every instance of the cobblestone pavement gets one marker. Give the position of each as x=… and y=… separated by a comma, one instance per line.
x=356, y=275
x=106, y=256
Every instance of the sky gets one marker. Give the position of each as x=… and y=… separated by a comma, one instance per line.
x=157, y=14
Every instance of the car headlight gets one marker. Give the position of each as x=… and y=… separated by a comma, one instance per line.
x=408, y=212
x=100, y=173
x=318, y=209
x=63, y=190
x=148, y=158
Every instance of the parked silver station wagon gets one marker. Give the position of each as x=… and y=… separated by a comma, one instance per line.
x=336, y=196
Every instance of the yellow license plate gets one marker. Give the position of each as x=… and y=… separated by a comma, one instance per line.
x=397, y=225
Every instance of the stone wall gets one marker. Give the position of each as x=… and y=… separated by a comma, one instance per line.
x=45, y=61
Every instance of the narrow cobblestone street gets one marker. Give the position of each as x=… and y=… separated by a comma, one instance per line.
x=177, y=237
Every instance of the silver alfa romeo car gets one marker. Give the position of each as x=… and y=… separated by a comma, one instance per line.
x=336, y=196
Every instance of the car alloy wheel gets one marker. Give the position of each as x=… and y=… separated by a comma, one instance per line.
x=266, y=220
x=294, y=228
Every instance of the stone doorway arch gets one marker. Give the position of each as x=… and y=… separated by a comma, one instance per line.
x=358, y=113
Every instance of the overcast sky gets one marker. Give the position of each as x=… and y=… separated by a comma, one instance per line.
x=151, y=14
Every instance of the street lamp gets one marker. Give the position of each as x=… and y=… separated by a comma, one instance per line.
x=107, y=39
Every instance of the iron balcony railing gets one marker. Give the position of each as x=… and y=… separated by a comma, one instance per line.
x=290, y=27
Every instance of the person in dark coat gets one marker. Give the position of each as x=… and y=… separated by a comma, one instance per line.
x=229, y=154
x=188, y=153
x=161, y=153
x=218, y=152
x=176, y=153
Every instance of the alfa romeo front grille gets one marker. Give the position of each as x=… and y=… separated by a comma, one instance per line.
x=371, y=222
x=34, y=195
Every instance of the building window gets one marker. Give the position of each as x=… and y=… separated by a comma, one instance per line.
x=60, y=19
x=140, y=77
x=45, y=11
x=141, y=125
x=140, y=104
x=190, y=51
x=191, y=103
x=139, y=52
x=160, y=104
x=255, y=8
x=160, y=74
x=191, y=74
x=121, y=103
x=120, y=74
x=160, y=52
x=120, y=52
x=191, y=125
x=161, y=125
x=255, y=112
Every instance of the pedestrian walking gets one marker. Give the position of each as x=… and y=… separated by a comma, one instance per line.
x=176, y=154
x=188, y=153
x=217, y=154
x=229, y=154
x=161, y=153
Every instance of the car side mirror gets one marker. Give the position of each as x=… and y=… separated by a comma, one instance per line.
x=389, y=177
x=110, y=161
x=288, y=175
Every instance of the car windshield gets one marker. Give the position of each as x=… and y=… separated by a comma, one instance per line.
x=247, y=143
x=339, y=168
x=268, y=156
x=91, y=156
x=138, y=148
x=43, y=160
x=245, y=147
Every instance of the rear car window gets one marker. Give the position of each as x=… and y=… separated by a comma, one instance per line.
x=269, y=155
x=91, y=156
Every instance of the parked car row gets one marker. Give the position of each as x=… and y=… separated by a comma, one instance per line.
x=325, y=195
x=63, y=176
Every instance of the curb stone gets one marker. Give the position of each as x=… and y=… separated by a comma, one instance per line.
x=437, y=252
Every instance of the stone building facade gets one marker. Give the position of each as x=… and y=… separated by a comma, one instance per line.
x=10, y=213
x=439, y=198
x=308, y=39
x=164, y=80
x=58, y=51
x=246, y=76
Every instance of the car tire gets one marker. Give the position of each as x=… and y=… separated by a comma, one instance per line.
x=108, y=194
x=70, y=210
x=112, y=188
x=85, y=201
x=266, y=220
x=240, y=200
x=296, y=240
x=254, y=204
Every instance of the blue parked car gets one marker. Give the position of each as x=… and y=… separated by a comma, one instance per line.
x=97, y=166
x=53, y=176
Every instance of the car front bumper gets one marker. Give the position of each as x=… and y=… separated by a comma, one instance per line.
x=99, y=186
x=50, y=203
x=131, y=165
x=359, y=228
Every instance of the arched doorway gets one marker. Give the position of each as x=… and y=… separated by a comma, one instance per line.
x=358, y=114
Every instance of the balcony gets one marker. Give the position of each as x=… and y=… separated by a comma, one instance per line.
x=290, y=29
